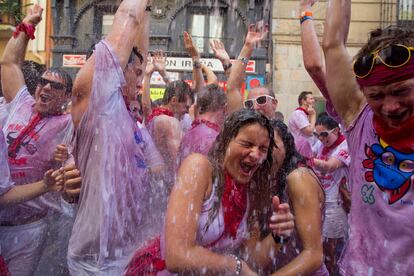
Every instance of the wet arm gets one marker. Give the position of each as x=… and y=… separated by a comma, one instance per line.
x=327, y=166
x=305, y=196
x=341, y=84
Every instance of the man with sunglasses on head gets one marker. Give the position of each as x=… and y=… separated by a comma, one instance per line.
x=33, y=128
x=302, y=124
x=374, y=97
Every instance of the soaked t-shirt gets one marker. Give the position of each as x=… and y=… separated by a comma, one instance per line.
x=114, y=173
x=5, y=181
x=381, y=224
x=197, y=140
x=34, y=156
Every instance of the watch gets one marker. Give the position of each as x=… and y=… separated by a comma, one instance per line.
x=197, y=64
x=245, y=60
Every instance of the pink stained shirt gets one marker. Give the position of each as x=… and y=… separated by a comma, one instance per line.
x=380, y=238
x=114, y=173
x=297, y=121
x=34, y=157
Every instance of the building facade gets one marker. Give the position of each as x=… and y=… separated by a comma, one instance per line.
x=78, y=24
x=289, y=74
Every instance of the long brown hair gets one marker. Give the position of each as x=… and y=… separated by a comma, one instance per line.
x=231, y=128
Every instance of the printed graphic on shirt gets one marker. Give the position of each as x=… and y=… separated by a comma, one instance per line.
x=390, y=169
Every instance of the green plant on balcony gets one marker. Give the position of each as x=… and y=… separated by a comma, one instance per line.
x=11, y=11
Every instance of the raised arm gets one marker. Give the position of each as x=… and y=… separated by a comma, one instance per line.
x=238, y=71
x=312, y=52
x=146, y=88
x=192, y=50
x=211, y=77
x=342, y=86
x=12, y=78
x=130, y=23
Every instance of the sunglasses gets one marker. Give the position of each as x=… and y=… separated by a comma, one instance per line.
x=323, y=134
x=261, y=100
x=53, y=84
x=393, y=56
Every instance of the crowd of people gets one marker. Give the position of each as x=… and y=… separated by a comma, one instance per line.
x=97, y=179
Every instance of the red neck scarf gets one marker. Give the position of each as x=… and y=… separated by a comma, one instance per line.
x=304, y=110
x=234, y=202
x=401, y=138
x=15, y=145
x=159, y=111
x=211, y=125
x=338, y=141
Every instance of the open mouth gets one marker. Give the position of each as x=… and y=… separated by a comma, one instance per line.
x=248, y=169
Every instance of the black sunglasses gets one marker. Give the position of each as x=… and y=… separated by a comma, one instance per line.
x=53, y=84
x=393, y=56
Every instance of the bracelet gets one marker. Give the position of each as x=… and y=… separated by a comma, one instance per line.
x=303, y=19
x=148, y=8
x=28, y=29
x=197, y=64
x=280, y=240
x=227, y=66
x=306, y=13
x=245, y=60
x=238, y=264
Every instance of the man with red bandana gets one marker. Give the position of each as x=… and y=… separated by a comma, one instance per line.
x=374, y=96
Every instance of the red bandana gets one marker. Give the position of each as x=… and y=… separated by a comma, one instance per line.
x=234, y=202
x=15, y=145
x=304, y=110
x=383, y=75
x=3, y=268
x=159, y=111
x=338, y=141
x=401, y=138
x=211, y=125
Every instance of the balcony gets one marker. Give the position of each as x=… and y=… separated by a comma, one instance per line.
x=397, y=13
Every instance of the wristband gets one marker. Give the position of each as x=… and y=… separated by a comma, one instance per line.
x=305, y=13
x=238, y=264
x=280, y=240
x=227, y=66
x=303, y=19
x=245, y=60
x=28, y=29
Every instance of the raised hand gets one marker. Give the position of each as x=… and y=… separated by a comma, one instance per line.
x=307, y=4
x=159, y=60
x=256, y=34
x=219, y=51
x=53, y=180
x=190, y=47
x=34, y=15
x=150, y=68
x=282, y=221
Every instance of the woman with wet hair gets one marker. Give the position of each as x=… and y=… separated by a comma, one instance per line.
x=210, y=210
x=298, y=185
x=331, y=167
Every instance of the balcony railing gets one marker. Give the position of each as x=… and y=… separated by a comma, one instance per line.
x=397, y=13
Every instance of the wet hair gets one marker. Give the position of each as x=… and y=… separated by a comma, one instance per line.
x=279, y=116
x=211, y=99
x=292, y=158
x=391, y=35
x=326, y=121
x=32, y=72
x=156, y=103
x=65, y=76
x=178, y=89
x=302, y=96
x=231, y=128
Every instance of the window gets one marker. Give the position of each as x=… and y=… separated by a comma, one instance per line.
x=206, y=25
x=405, y=11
